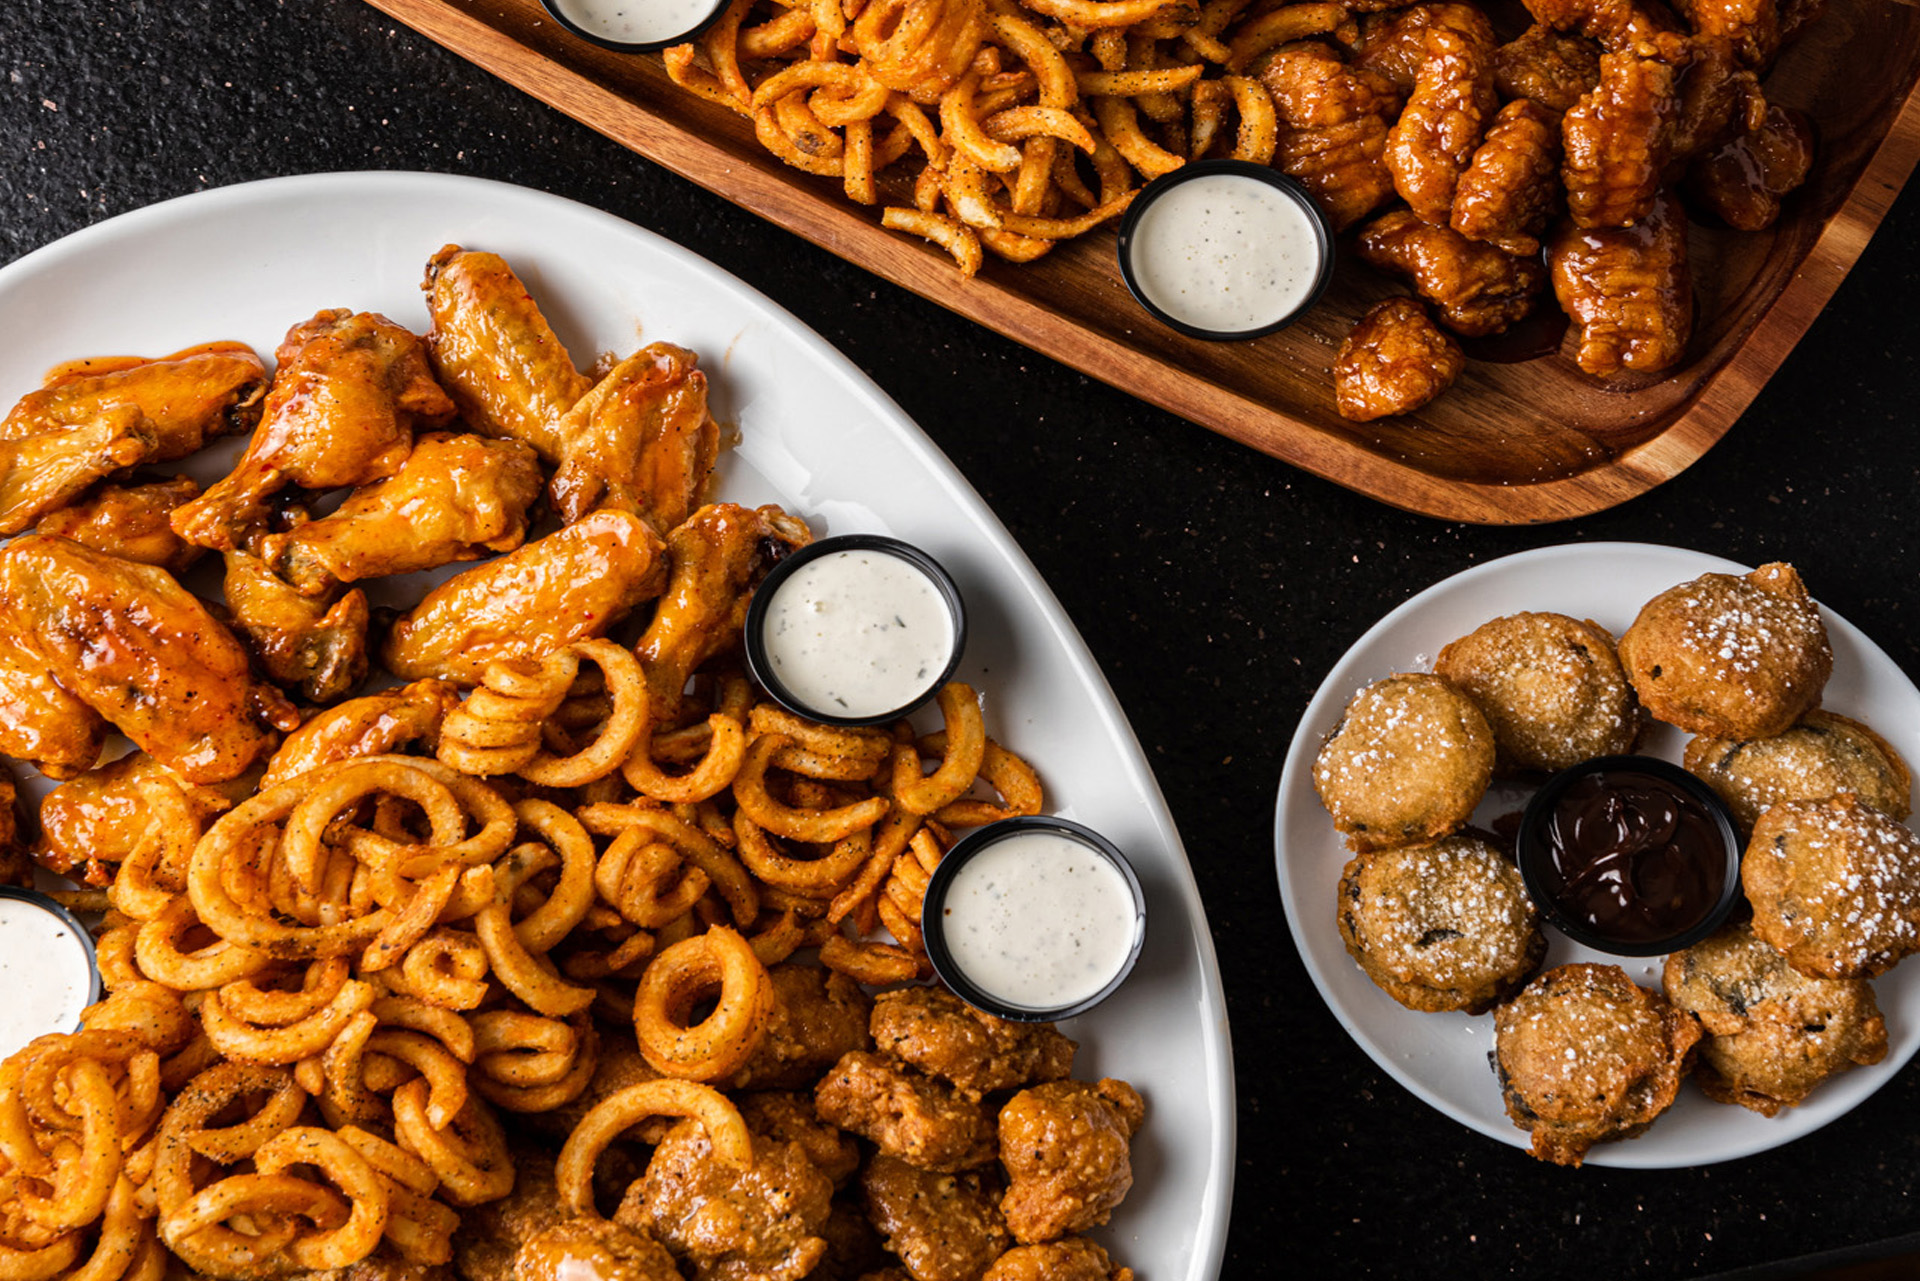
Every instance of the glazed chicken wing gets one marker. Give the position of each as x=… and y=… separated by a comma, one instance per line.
x=1617, y=24
x=1511, y=189
x=16, y=868
x=93, y=822
x=1550, y=67
x=640, y=440
x=131, y=522
x=206, y=391
x=1432, y=142
x=1618, y=140
x=1719, y=98
x=1394, y=44
x=1394, y=361
x=495, y=351
x=1333, y=129
x=943, y=1227
x=373, y=725
x=1627, y=289
x=758, y=1224
x=717, y=557
x=315, y=643
x=1478, y=289
x=348, y=393
x=455, y=498
x=1752, y=27
x=1065, y=1146
x=43, y=473
x=571, y=585
x=1742, y=182
x=41, y=723
x=144, y=653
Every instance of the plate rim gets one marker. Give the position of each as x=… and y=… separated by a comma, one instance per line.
x=1295, y=775
x=493, y=196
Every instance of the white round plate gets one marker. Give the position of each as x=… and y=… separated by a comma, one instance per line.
x=815, y=435
x=1442, y=1058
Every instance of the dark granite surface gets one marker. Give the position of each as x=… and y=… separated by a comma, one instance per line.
x=1215, y=586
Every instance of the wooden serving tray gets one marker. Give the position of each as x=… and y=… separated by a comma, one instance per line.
x=1510, y=443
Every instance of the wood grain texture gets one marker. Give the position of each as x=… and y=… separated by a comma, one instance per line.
x=1509, y=444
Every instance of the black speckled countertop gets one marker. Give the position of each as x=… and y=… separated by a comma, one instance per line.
x=1215, y=586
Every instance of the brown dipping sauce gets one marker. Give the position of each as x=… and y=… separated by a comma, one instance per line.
x=1632, y=857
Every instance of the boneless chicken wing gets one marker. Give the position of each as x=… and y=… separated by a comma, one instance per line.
x=1478, y=289
x=1627, y=289
x=1333, y=128
x=1065, y=1146
x=1742, y=182
x=908, y=1114
x=1618, y=140
x=1394, y=44
x=455, y=498
x=1432, y=142
x=1752, y=27
x=1394, y=361
x=1616, y=24
x=144, y=653
x=349, y=390
x=942, y=1035
x=943, y=1227
x=1549, y=67
x=1510, y=190
x=569, y=586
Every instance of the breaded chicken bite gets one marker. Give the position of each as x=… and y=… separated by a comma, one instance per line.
x=943, y=1036
x=1065, y=1146
x=910, y=1115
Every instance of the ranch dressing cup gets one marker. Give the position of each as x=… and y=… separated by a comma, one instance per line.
x=855, y=630
x=1225, y=250
x=635, y=26
x=47, y=968
x=1034, y=919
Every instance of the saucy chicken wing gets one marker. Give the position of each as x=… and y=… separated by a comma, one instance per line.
x=1550, y=67
x=1394, y=361
x=906, y=1113
x=943, y=1227
x=1478, y=289
x=1432, y=142
x=717, y=557
x=1511, y=189
x=495, y=351
x=373, y=725
x=640, y=440
x=16, y=868
x=571, y=585
x=1333, y=128
x=585, y=1249
x=205, y=391
x=1627, y=289
x=455, y=498
x=1742, y=182
x=41, y=474
x=1068, y=1259
x=758, y=1224
x=1618, y=140
x=96, y=821
x=1616, y=24
x=131, y=522
x=942, y=1035
x=1393, y=44
x=1065, y=1146
x=41, y=723
x=317, y=643
x=1752, y=27
x=143, y=652
x=347, y=395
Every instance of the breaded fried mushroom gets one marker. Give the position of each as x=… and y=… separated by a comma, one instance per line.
x=1773, y=1033
x=1407, y=763
x=1584, y=1056
x=1446, y=926
x=1734, y=657
x=1551, y=687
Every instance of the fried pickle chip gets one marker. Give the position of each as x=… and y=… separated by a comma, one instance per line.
x=1446, y=926
x=1835, y=886
x=1728, y=656
x=1822, y=756
x=1550, y=686
x=1773, y=1033
x=1407, y=763
x=1584, y=1056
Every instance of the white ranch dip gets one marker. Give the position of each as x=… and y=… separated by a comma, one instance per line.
x=858, y=633
x=44, y=972
x=1225, y=253
x=634, y=21
x=1039, y=920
